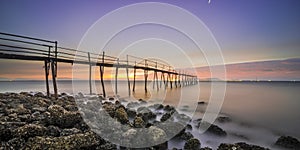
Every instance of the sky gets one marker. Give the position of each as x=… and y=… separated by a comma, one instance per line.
x=253, y=35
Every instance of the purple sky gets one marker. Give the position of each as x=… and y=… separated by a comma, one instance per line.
x=247, y=31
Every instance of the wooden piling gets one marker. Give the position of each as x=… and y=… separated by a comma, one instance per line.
x=53, y=70
x=46, y=77
x=101, y=75
x=134, y=74
x=90, y=73
x=128, y=81
x=116, y=77
x=146, y=75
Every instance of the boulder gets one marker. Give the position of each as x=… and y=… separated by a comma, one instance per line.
x=192, y=144
x=288, y=142
x=30, y=130
x=165, y=117
x=121, y=115
x=138, y=122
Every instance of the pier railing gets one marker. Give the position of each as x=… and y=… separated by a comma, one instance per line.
x=35, y=49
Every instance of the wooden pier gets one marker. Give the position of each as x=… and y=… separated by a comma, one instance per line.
x=34, y=49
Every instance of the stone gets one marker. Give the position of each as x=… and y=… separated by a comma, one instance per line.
x=111, y=98
x=39, y=94
x=240, y=146
x=157, y=106
x=186, y=136
x=165, y=117
x=131, y=113
x=138, y=122
x=288, y=142
x=132, y=104
x=156, y=135
x=109, y=108
x=121, y=115
x=30, y=130
x=213, y=129
x=88, y=140
x=53, y=131
x=62, y=118
x=66, y=132
x=192, y=144
x=223, y=119
x=146, y=113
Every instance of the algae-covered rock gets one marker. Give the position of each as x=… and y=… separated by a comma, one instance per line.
x=192, y=144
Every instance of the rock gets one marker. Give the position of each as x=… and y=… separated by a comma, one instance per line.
x=240, y=146
x=15, y=143
x=288, y=142
x=121, y=115
x=109, y=108
x=146, y=113
x=189, y=127
x=169, y=108
x=53, y=131
x=165, y=117
x=183, y=118
x=223, y=119
x=39, y=94
x=224, y=146
x=142, y=102
x=39, y=109
x=131, y=113
x=71, y=108
x=157, y=106
x=107, y=146
x=156, y=135
x=192, y=144
x=138, y=122
x=5, y=133
x=205, y=148
x=201, y=103
x=132, y=104
x=62, y=118
x=213, y=129
x=186, y=136
x=111, y=98
x=30, y=130
x=88, y=140
x=66, y=132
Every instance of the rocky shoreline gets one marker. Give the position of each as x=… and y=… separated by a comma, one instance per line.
x=33, y=121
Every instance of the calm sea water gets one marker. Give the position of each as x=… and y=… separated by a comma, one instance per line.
x=261, y=110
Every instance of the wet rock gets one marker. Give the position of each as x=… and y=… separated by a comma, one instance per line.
x=156, y=134
x=213, y=129
x=39, y=109
x=107, y=146
x=156, y=106
x=183, y=118
x=288, y=142
x=146, y=113
x=111, y=98
x=53, y=131
x=223, y=119
x=142, y=102
x=121, y=115
x=66, y=132
x=62, y=118
x=109, y=108
x=201, y=103
x=87, y=140
x=189, y=127
x=165, y=117
x=30, y=130
x=71, y=108
x=246, y=146
x=15, y=143
x=205, y=148
x=186, y=136
x=5, y=133
x=224, y=146
x=169, y=108
x=39, y=94
x=131, y=113
x=138, y=122
x=192, y=144
x=132, y=104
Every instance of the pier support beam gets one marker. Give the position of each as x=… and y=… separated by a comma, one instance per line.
x=146, y=75
x=90, y=73
x=54, y=70
x=127, y=72
x=116, y=77
x=101, y=76
x=47, y=68
x=134, y=74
